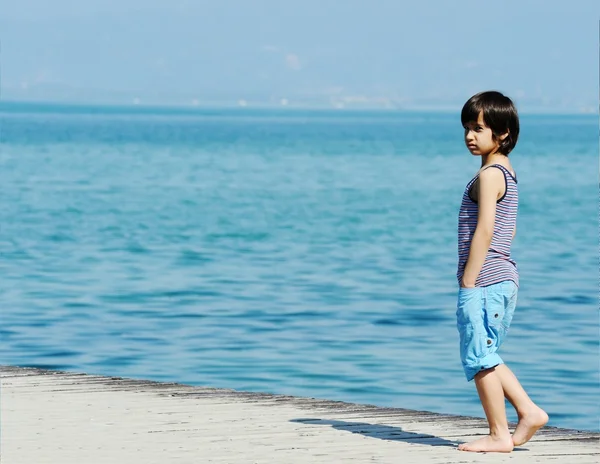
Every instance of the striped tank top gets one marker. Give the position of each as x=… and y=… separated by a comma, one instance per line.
x=498, y=265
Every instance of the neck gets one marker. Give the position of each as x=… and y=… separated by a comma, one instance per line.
x=492, y=158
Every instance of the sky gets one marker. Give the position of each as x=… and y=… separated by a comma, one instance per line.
x=435, y=52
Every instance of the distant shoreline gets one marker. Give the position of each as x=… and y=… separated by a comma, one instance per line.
x=48, y=106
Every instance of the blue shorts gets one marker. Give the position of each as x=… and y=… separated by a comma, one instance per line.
x=483, y=317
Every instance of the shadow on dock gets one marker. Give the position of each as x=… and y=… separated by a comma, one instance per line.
x=383, y=432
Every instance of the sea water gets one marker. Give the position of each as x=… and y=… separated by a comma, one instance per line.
x=296, y=252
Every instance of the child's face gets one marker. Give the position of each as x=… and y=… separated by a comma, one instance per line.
x=479, y=138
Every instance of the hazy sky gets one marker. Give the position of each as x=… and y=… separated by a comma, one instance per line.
x=435, y=49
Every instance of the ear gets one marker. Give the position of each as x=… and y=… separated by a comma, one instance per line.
x=503, y=136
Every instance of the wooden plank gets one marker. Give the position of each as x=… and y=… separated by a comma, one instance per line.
x=61, y=418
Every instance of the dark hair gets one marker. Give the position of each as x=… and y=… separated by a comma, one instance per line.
x=499, y=114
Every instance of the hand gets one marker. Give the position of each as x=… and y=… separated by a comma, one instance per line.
x=467, y=284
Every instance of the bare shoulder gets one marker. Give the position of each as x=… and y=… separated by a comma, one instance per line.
x=505, y=164
x=490, y=175
x=492, y=181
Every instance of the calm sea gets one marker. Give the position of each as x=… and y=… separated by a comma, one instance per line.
x=294, y=252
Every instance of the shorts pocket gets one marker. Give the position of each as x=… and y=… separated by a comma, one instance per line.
x=495, y=309
x=469, y=306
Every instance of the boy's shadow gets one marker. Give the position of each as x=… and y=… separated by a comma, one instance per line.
x=383, y=432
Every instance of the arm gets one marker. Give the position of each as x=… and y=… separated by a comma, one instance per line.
x=491, y=185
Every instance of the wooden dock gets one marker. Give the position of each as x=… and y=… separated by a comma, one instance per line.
x=62, y=418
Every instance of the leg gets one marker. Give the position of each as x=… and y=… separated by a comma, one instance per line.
x=531, y=417
x=491, y=395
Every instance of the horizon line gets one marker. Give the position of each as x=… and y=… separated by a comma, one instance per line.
x=141, y=107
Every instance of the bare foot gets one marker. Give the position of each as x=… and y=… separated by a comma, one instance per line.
x=529, y=423
x=490, y=443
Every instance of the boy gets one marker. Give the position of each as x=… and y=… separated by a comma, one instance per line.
x=487, y=274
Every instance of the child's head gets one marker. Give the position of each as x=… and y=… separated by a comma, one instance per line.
x=498, y=113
